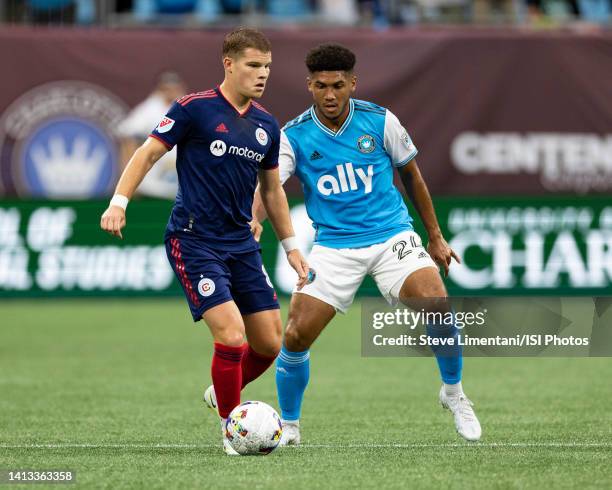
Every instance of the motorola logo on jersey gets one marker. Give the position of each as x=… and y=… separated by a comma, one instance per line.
x=218, y=148
x=346, y=180
x=246, y=152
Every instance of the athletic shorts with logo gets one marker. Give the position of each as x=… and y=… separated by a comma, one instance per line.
x=340, y=271
x=210, y=277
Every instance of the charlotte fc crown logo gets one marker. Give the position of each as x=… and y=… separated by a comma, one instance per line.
x=366, y=144
x=69, y=168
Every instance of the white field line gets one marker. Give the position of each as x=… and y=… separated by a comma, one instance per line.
x=320, y=446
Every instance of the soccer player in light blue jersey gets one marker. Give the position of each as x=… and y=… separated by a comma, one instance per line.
x=344, y=152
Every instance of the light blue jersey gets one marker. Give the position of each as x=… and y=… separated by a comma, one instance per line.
x=347, y=176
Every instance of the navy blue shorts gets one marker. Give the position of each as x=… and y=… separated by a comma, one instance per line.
x=210, y=277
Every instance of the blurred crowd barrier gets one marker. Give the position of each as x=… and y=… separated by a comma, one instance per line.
x=379, y=14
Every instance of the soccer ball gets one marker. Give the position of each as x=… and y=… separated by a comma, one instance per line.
x=253, y=428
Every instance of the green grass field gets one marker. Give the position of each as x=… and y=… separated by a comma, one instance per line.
x=112, y=390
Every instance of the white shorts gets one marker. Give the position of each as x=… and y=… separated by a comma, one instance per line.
x=340, y=271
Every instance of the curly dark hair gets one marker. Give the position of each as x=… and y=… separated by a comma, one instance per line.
x=330, y=57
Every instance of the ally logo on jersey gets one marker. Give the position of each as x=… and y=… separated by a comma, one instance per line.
x=346, y=179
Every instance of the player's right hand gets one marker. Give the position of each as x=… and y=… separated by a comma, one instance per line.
x=299, y=264
x=113, y=220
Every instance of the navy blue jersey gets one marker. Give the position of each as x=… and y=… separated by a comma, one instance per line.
x=219, y=152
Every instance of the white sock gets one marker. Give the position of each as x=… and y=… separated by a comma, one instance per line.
x=453, y=390
x=290, y=422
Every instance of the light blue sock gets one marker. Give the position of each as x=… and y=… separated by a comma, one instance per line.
x=450, y=358
x=292, y=373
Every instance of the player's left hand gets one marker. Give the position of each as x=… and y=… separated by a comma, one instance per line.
x=441, y=253
x=298, y=262
x=256, y=229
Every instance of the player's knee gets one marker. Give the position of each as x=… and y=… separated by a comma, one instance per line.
x=272, y=345
x=271, y=349
x=231, y=337
x=424, y=284
x=276, y=344
x=295, y=340
x=274, y=339
x=431, y=293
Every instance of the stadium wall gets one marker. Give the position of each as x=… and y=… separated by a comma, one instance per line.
x=513, y=128
x=491, y=111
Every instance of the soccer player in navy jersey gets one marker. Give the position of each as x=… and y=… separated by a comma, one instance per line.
x=345, y=151
x=225, y=141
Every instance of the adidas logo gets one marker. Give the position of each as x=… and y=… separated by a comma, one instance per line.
x=422, y=255
x=315, y=156
x=222, y=128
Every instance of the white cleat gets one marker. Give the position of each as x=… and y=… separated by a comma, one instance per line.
x=227, y=447
x=211, y=399
x=291, y=433
x=466, y=421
